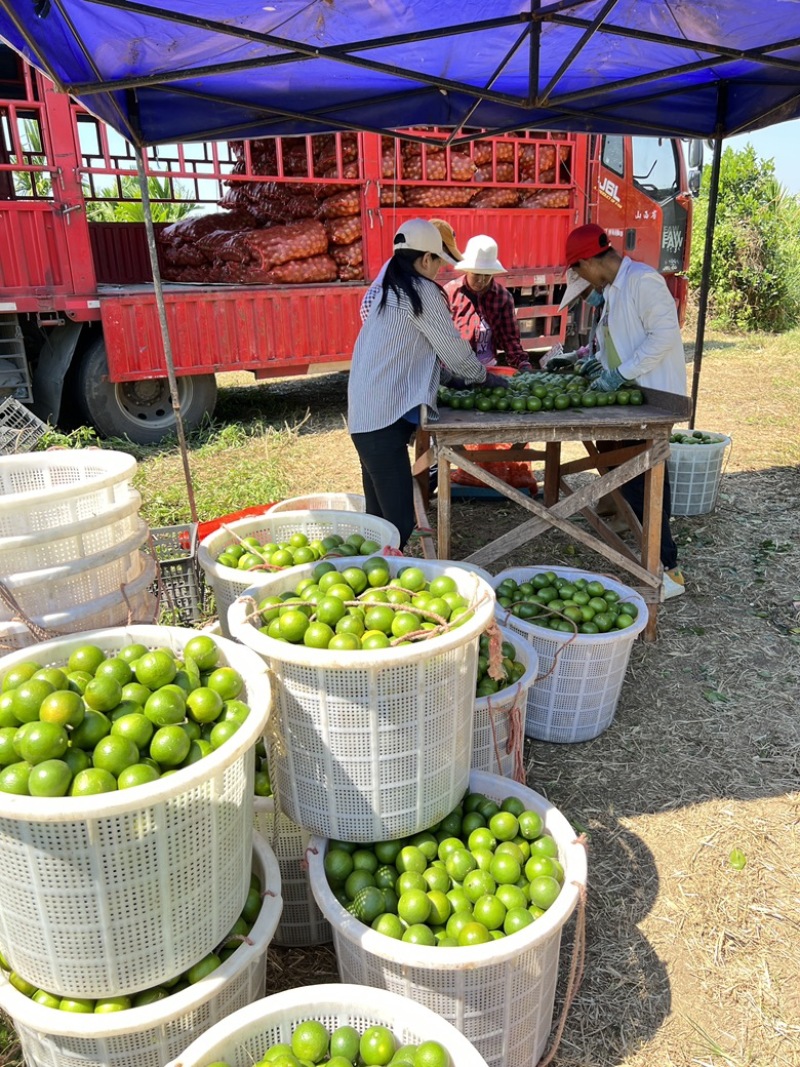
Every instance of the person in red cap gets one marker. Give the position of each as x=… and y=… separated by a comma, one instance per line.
x=639, y=342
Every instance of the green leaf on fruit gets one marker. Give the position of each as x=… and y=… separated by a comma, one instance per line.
x=191, y=668
x=737, y=859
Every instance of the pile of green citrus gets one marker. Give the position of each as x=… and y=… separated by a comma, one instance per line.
x=376, y=1046
x=696, y=437
x=536, y=391
x=250, y=554
x=557, y=603
x=485, y=872
x=362, y=607
x=105, y=722
x=511, y=668
x=104, y=1005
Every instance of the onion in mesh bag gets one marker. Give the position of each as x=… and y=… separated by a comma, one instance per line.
x=280, y=244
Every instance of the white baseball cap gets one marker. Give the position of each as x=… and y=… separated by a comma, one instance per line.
x=576, y=286
x=480, y=257
x=419, y=235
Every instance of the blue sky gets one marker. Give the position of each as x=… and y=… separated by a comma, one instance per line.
x=780, y=143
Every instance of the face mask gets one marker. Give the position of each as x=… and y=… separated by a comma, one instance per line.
x=595, y=298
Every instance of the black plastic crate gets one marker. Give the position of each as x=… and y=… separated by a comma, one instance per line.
x=182, y=590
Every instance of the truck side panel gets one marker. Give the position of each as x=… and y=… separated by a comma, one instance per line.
x=271, y=330
x=34, y=254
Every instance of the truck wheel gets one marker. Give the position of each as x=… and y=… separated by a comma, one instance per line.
x=142, y=410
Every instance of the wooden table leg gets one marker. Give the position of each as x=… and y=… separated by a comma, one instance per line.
x=651, y=532
x=552, y=472
x=422, y=442
x=443, y=508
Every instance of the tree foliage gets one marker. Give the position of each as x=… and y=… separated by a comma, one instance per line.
x=755, y=272
x=126, y=205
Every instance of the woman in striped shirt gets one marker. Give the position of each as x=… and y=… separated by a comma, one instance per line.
x=396, y=366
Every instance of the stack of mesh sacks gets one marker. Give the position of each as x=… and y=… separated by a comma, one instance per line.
x=280, y=231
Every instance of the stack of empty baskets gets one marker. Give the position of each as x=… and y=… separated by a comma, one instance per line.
x=70, y=545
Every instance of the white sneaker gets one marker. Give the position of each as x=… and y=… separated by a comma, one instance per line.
x=672, y=583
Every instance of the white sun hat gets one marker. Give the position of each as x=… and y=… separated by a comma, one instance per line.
x=576, y=286
x=480, y=257
x=419, y=235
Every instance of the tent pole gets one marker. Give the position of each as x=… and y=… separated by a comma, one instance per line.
x=713, y=195
x=162, y=319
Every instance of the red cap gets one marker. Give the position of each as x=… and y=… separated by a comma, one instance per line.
x=585, y=242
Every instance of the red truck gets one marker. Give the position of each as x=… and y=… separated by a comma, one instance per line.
x=79, y=330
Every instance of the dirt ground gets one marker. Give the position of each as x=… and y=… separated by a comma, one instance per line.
x=689, y=960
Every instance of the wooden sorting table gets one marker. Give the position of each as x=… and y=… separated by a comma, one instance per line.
x=443, y=443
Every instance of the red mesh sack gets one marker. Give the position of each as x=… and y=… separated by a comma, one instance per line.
x=389, y=163
x=547, y=177
x=204, y=274
x=349, y=273
x=226, y=247
x=304, y=271
x=348, y=255
x=392, y=196
x=504, y=172
x=188, y=231
x=547, y=198
x=517, y=473
x=340, y=205
x=481, y=152
x=183, y=256
x=491, y=198
x=438, y=195
x=435, y=169
x=281, y=244
x=349, y=170
x=462, y=168
x=327, y=158
x=345, y=230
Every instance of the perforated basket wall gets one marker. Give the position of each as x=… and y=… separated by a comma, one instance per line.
x=243, y=1038
x=20, y=429
x=80, y=581
x=500, y=720
x=117, y=892
x=150, y=1036
x=49, y=490
x=80, y=539
x=371, y=745
x=499, y=995
x=580, y=677
x=302, y=923
x=322, y=502
x=695, y=473
x=228, y=583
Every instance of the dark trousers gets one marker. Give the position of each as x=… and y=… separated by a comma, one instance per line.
x=633, y=492
x=386, y=474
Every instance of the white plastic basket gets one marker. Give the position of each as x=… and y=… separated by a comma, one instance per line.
x=243, y=1038
x=500, y=995
x=85, y=537
x=135, y=603
x=322, y=502
x=371, y=745
x=48, y=490
x=302, y=923
x=149, y=1036
x=20, y=429
x=500, y=720
x=65, y=586
x=695, y=472
x=228, y=582
x=117, y=892
x=580, y=677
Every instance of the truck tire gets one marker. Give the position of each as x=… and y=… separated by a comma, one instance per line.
x=142, y=410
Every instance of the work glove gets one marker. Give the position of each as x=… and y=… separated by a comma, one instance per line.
x=456, y=383
x=523, y=368
x=563, y=362
x=495, y=380
x=608, y=381
x=589, y=368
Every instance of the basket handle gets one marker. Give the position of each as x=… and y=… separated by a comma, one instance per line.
x=39, y=632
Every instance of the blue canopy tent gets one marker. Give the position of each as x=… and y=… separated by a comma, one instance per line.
x=178, y=70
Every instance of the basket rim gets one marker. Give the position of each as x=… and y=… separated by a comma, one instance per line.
x=643, y=611
x=293, y=500
x=60, y=571
x=102, y=805
x=329, y=998
x=722, y=439
x=74, y=529
x=121, y=466
x=134, y=1020
x=283, y=651
x=522, y=684
x=235, y=576
x=455, y=959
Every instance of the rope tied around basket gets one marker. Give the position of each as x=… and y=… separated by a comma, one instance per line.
x=39, y=632
x=576, y=967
